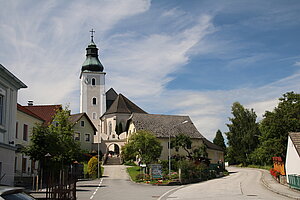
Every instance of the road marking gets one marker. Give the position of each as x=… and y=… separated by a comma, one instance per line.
x=169, y=192
x=99, y=185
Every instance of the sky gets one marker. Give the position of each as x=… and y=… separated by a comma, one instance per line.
x=176, y=57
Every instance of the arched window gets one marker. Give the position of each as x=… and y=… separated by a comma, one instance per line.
x=93, y=81
x=109, y=128
x=94, y=115
x=94, y=101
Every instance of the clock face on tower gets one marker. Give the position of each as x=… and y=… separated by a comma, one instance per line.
x=86, y=81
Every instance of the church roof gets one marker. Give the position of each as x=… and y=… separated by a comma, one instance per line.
x=76, y=117
x=46, y=112
x=165, y=125
x=123, y=105
x=111, y=96
x=295, y=137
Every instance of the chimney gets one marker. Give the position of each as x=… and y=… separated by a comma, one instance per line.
x=30, y=103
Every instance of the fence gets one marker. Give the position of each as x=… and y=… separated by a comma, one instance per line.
x=294, y=181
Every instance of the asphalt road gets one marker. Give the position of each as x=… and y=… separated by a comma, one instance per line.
x=116, y=185
x=243, y=183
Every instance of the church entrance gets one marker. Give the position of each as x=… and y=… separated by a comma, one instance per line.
x=113, y=150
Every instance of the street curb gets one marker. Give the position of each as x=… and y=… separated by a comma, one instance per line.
x=265, y=183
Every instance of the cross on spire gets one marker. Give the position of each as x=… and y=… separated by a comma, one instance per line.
x=92, y=35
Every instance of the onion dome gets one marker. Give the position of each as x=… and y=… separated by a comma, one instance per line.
x=92, y=62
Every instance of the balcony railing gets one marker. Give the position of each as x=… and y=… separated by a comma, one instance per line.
x=294, y=181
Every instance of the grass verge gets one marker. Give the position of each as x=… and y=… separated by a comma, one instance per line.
x=133, y=172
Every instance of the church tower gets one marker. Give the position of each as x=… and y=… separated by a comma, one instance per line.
x=92, y=85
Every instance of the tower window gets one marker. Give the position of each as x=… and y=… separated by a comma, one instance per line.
x=94, y=115
x=93, y=81
x=94, y=101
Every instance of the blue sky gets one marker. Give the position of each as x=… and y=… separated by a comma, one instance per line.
x=169, y=57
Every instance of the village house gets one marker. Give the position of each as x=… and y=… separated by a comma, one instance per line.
x=9, y=86
x=292, y=163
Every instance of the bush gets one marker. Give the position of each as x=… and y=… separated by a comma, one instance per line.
x=92, y=167
x=191, y=172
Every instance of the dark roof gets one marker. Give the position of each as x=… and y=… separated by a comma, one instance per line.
x=46, y=112
x=211, y=145
x=28, y=112
x=164, y=125
x=123, y=105
x=295, y=137
x=76, y=117
x=111, y=96
x=17, y=81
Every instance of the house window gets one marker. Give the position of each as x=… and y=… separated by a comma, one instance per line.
x=94, y=101
x=1, y=110
x=82, y=123
x=87, y=137
x=24, y=165
x=94, y=115
x=17, y=125
x=25, y=132
x=77, y=136
x=93, y=81
x=16, y=162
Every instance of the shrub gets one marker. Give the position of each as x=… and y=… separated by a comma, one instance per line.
x=92, y=168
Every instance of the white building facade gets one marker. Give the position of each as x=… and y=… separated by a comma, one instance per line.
x=92, y=87
x=9, y=86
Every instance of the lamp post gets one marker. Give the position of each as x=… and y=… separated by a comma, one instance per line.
x=170, y=146
x=98, y=149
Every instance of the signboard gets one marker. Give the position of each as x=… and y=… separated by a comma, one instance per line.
x=156, y=170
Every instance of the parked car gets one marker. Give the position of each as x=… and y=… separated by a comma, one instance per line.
x=13, y=193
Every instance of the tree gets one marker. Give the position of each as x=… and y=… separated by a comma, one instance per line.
x=55, y=140
x=243, y=134
x=219, y=140
x=69, y=149
x=182, y=141
x=144, y=145
x=275, y=127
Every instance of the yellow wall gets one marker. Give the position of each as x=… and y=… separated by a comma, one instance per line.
x=214, y=155
x=23, y=118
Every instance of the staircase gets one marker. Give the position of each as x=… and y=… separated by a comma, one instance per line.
x=113, y=161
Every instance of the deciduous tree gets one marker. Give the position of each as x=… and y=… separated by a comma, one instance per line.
x=144, y=145
x=243, y=134
x=275, y=127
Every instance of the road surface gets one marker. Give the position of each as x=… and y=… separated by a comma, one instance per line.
x=116, y=185
x=243, y=183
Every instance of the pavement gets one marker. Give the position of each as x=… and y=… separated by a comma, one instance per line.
x=270, y=183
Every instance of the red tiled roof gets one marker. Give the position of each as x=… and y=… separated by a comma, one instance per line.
x=28, y=112
x=46, y=112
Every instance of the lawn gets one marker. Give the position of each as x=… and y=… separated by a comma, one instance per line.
x=133, y=172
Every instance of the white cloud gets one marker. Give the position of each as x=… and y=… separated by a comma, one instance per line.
x=297, y=63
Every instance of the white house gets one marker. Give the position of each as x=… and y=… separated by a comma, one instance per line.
x=292, y=163
x=9, y=86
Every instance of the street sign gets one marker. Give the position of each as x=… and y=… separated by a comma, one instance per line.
x=156, y=170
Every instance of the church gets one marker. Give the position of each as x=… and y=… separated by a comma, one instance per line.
x=116, y=117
